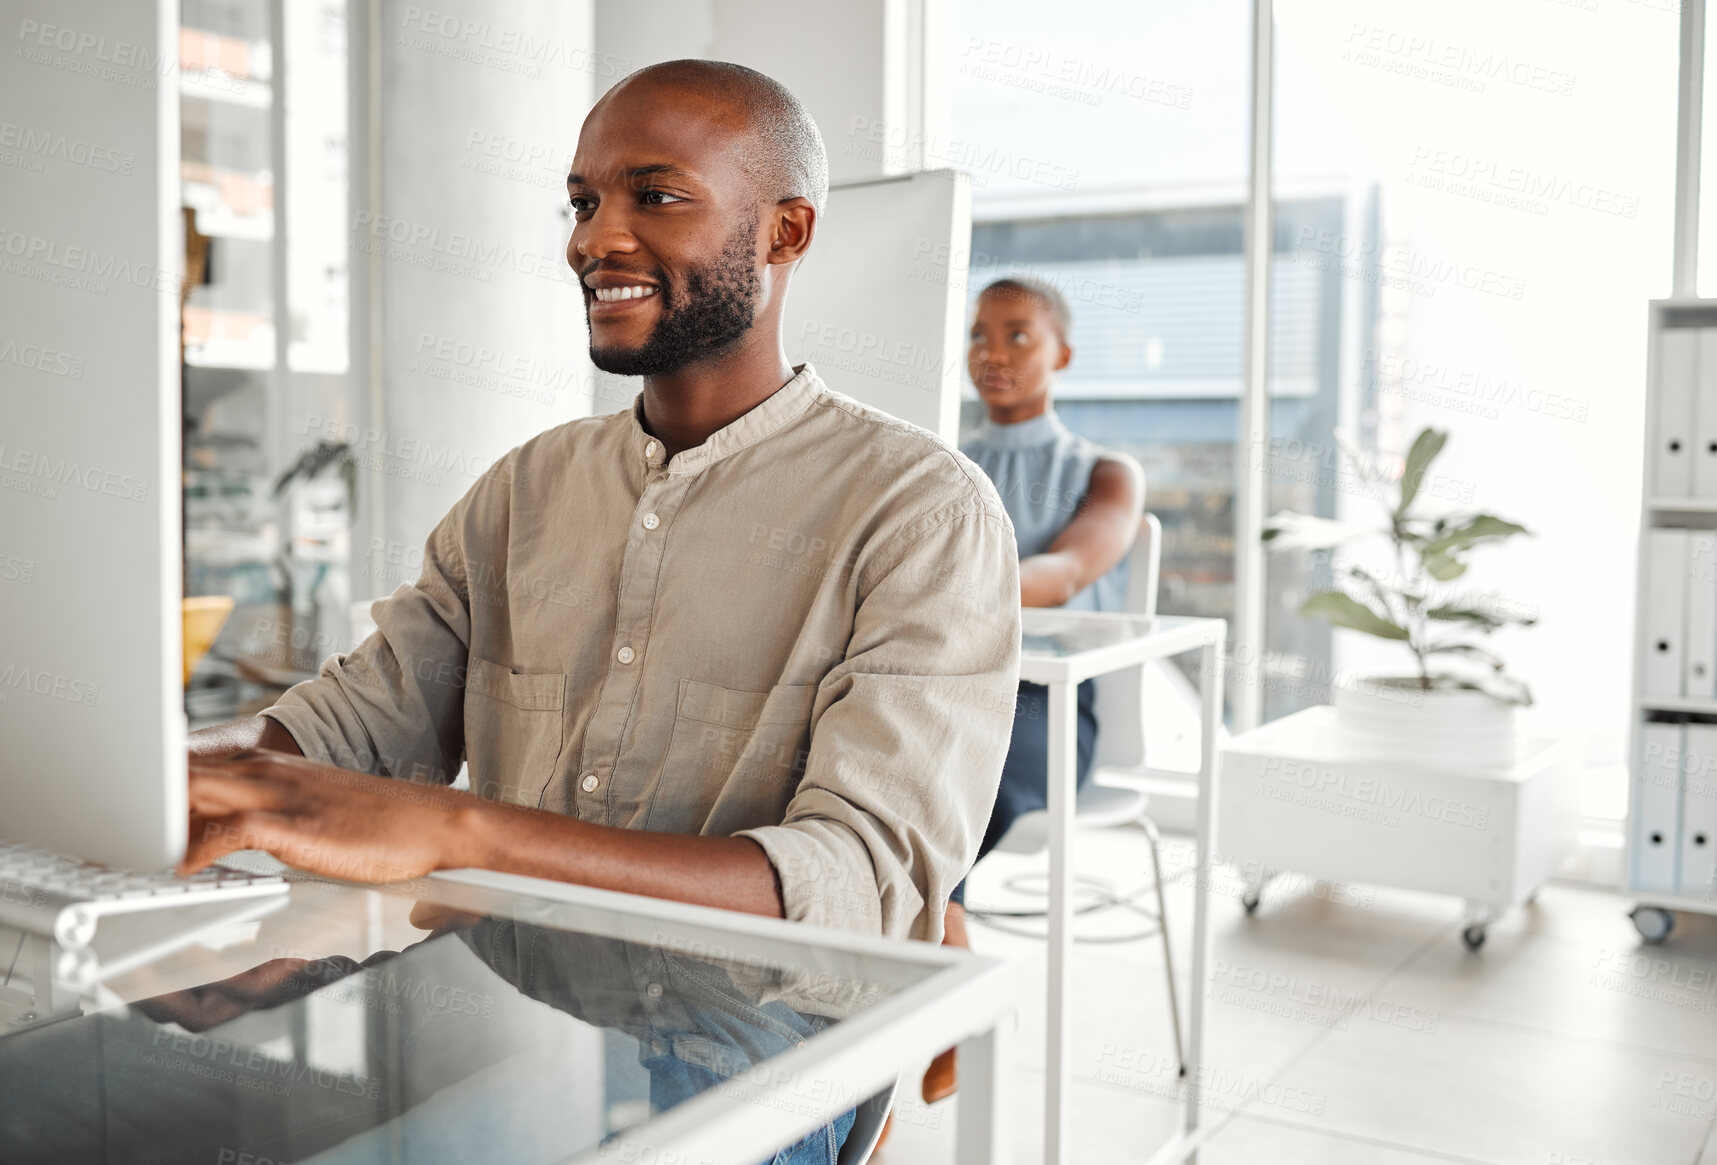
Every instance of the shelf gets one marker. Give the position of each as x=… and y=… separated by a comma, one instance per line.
x=1682, y=505
x=1704, y=704
x=1672, y=901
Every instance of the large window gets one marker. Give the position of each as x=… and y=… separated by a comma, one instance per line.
x=1524, y=159
x=1470, y=217
x=1108, y=155
x=1157, y=296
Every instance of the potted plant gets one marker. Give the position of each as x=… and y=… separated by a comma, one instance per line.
x=1459, y=703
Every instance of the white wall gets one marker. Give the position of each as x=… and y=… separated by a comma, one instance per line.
x=458, y=236
x=858, y=65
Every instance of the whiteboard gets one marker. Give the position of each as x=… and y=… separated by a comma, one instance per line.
x=878, y=303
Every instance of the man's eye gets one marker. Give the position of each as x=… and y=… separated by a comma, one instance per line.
x=578, y=204
x=1019, y=337
x=658, y=197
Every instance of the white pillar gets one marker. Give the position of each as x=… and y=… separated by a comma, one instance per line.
x=1252, y=469
x=469, y=333
x=856, y=64
x=1690, y=107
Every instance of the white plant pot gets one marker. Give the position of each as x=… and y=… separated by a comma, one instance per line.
x=1392, y=717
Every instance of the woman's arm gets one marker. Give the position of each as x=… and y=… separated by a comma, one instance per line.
x=1100, y=535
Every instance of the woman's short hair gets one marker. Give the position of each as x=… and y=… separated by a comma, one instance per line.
x=1047, y=295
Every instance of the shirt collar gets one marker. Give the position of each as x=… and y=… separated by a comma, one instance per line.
x=1040, y=430
x=775, y=412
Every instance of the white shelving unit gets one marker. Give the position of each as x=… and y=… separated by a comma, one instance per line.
x=1680, y=493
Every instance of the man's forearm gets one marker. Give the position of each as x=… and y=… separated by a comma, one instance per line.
x=730, y=872
x=241, y=736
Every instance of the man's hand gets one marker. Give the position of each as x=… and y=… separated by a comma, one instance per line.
x=359, y=828
x=277, y=981
x=322, y=819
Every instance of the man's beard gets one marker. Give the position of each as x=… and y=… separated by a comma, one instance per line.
x=717, y=309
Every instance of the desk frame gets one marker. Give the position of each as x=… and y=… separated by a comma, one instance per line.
x=1063, y=674
x=968, y=1000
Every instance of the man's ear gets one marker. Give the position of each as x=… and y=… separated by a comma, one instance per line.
x=1066, y=357
x=792, y=223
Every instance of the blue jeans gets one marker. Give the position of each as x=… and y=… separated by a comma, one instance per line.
x=1025, y=773
x=459, y=1060
x=697, y=1030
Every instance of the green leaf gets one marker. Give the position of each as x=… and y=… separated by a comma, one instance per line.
x=1476, y=529
x=1342, y=610
x=1426, y=446
x=1442, y=567
x=1488, y=619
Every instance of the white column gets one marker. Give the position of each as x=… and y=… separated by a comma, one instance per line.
x=856, y=64
x=475, y=327
x=1690, y=107
x=1252, y=451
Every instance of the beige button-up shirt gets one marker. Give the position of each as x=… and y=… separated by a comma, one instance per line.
x=804, y=631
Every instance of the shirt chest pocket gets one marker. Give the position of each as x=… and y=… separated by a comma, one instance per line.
x=734, y=759
x=513, y=730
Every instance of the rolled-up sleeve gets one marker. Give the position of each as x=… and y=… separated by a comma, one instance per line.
x=394, y=705
x=908, y=734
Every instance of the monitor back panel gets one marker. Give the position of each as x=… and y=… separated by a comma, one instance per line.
x=91, y=712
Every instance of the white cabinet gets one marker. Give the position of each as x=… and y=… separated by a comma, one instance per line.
x=1296, y=798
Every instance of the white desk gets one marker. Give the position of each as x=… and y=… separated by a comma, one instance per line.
x=494, y=1049
x=1061, y=649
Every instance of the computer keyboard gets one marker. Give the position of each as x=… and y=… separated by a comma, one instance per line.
x=65, y=898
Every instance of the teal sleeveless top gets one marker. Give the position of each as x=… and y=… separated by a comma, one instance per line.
x=1042, y=470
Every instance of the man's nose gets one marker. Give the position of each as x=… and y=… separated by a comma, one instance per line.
x=604, y=233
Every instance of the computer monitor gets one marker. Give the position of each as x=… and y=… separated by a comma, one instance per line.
x=92, y=726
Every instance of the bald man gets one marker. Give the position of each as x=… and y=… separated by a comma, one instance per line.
x=748, y=643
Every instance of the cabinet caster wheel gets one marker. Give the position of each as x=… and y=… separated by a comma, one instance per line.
x=1653, y=923
x=1249, y=901
x=1473, y=936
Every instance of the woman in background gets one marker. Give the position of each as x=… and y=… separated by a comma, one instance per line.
x=1075, y=508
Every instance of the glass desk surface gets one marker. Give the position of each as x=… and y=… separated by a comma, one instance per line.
x=327, y=1026
x=1057, y=634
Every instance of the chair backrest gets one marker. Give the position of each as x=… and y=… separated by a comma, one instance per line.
x=867, y=1127
x=1145, y=566
x=1120, y=695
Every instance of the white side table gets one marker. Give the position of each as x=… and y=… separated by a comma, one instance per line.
x=1296, y=799
x=1062, y=649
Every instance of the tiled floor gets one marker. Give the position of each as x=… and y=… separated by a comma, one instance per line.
x=1349, y=1024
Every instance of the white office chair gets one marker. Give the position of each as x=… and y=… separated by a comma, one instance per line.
x=867, y=1127
x=1120, y=752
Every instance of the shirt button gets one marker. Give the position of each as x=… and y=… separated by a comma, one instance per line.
x=654, y=991
x=650, y=449
x=626, y=655
x=589, y=783
x=651, y=521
